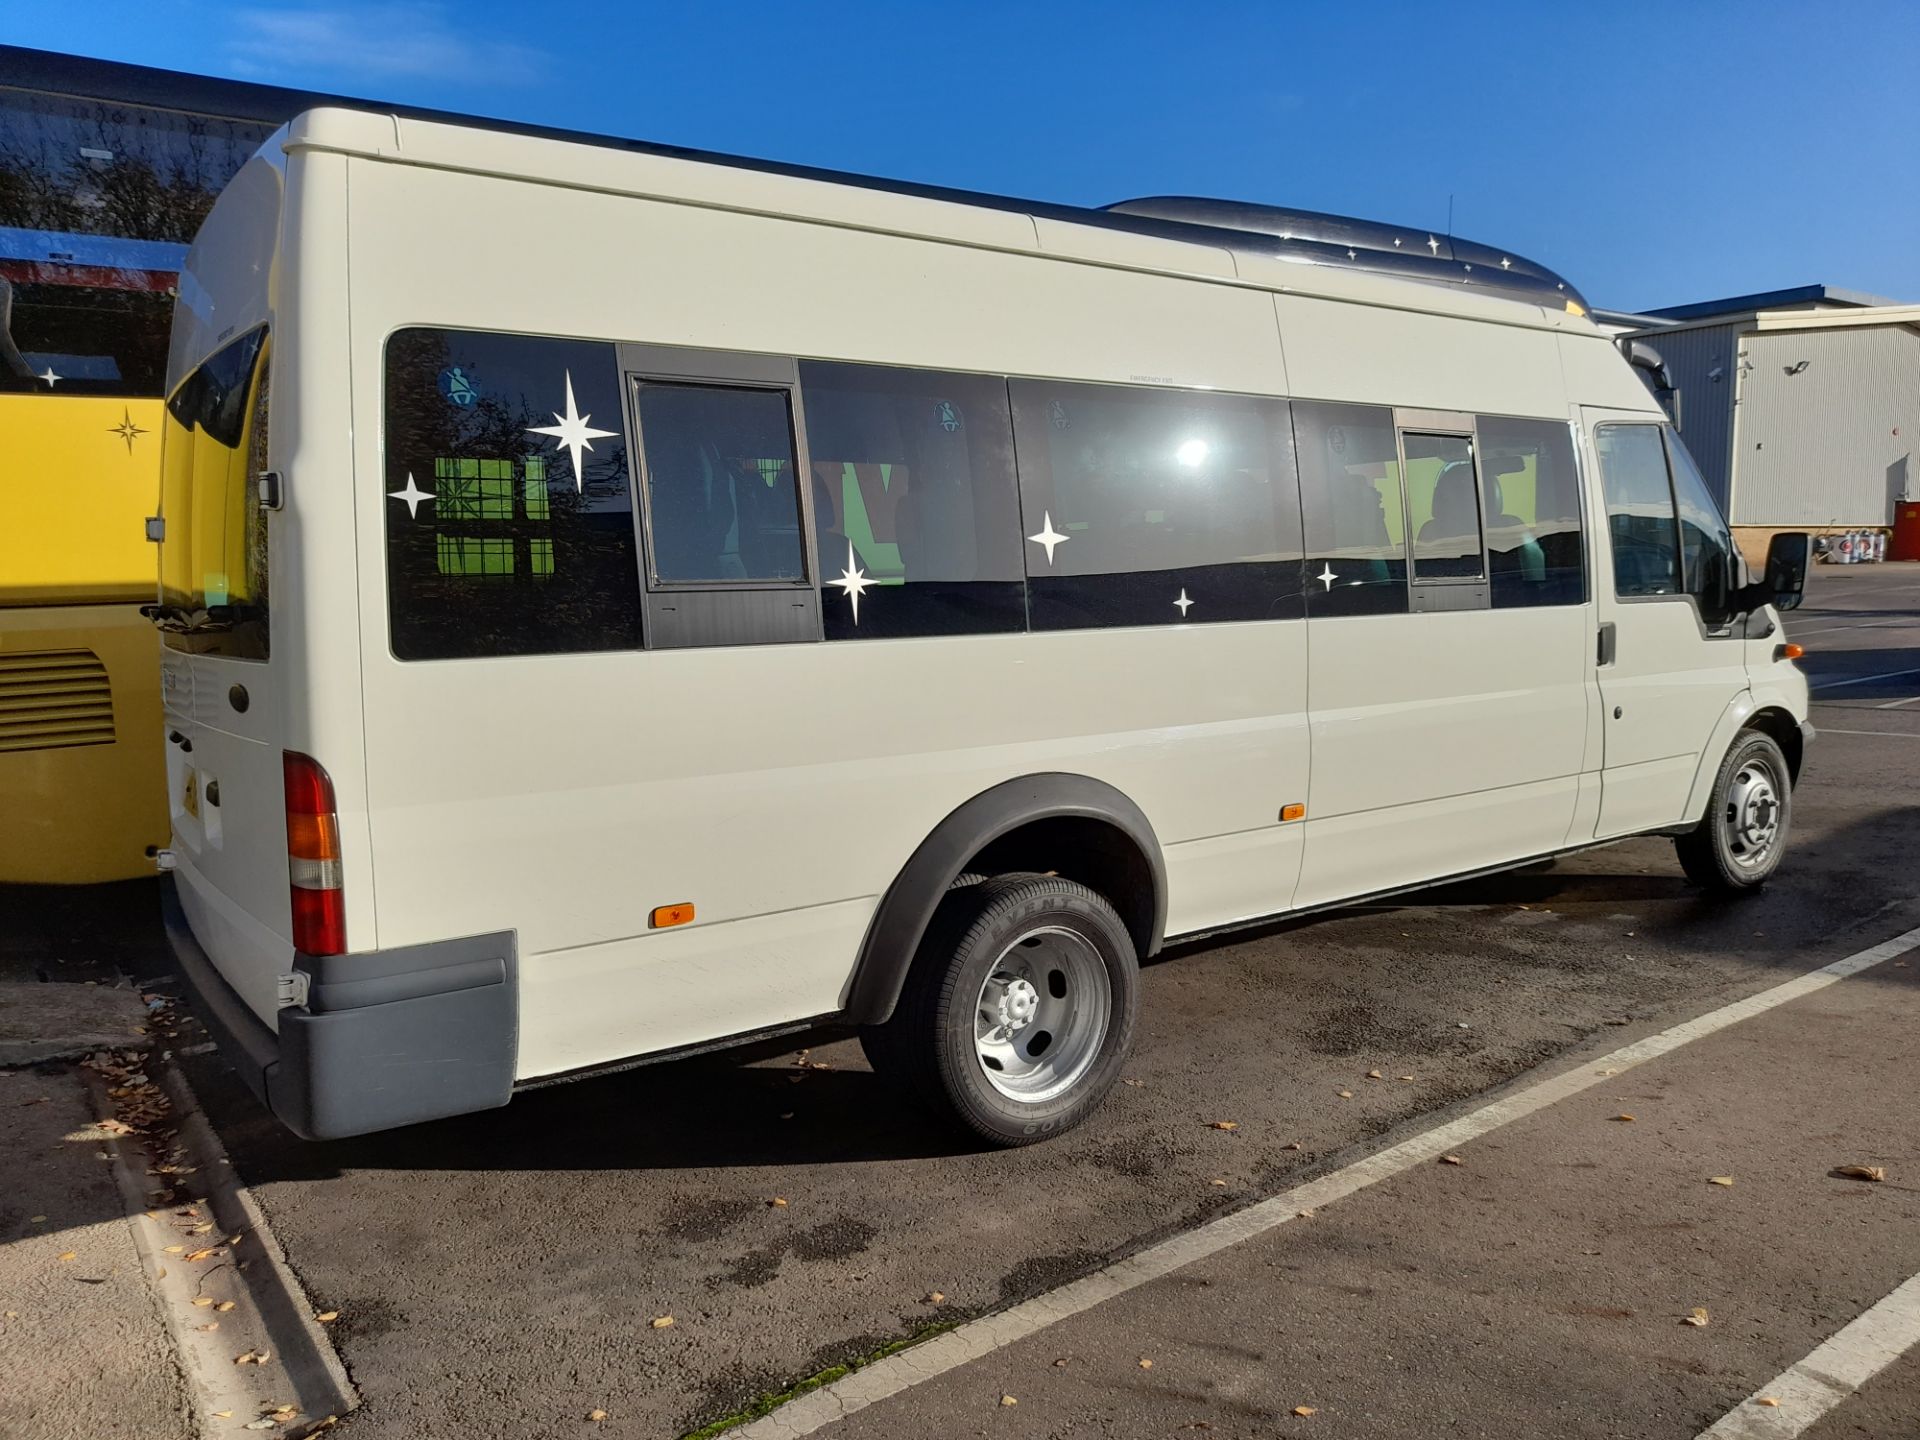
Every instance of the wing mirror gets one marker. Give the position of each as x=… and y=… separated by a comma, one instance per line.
x=1786, y=577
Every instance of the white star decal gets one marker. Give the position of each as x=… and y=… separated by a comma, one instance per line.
x=1049, y=537
x=1183, y=604
x=853, y=582
x=1433, y=245
x=1505, y=263
x=573, y=433
x=1326, y=577
x=48, y=376
x=413, y=495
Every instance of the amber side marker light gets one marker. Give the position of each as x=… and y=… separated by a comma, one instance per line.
x=668, y=915
x=1791, y=651
x=1293, y=812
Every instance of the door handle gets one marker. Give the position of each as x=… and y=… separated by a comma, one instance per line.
x=1606, y=646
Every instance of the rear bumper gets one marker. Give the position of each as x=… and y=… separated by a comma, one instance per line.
x=386, y=1038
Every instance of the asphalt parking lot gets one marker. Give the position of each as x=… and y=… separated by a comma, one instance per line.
x=500, y=1275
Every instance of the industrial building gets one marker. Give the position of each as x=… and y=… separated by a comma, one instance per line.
x=1801, y=407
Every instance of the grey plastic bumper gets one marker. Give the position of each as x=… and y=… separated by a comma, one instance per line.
x=386, y=1038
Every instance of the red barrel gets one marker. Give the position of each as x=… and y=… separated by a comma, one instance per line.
x=1906, y=531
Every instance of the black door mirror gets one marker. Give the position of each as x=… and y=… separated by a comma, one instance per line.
x=1787, y=557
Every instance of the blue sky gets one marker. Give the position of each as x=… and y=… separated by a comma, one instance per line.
x=1655, y=153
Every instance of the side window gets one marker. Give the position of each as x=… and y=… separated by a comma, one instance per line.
x=1443, y=507
x=915, y=507
x=1356, y=533
x=1706, y=545
x=509, y=515
x=1147, y=507
x=1640, y=523
x=723, y=502
x=1532, y=501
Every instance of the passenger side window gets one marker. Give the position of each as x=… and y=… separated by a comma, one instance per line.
x=1532, y=498
x=723, y=502
x=509, y=517
x=1640, y=520
x=1443, y=507
x=1146, y=507
x=915, y=506
x=1706, y=545
x=1356, y=534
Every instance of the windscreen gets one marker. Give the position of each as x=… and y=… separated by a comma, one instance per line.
x=213, y=553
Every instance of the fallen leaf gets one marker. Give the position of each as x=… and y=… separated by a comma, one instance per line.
x=1136, y=1084
x=173, y=1249
x=224, y=1306
x=663, y=1322
x=1450, y=1160
x=1720, y=1180
x=69, y=1255
x=223, y=1414
x=1859, y=1172
x=1623, y=1116
x=778, y=1202
x=1145, y=1363
x=1403, y=1077
x=1061, y=1363
x=1216, y=1182
x=203, y=1299
x=161, y=1273
x=1346, y=1094
x=596, y=1415
x=1768, y=1401
x=1306, y=1214
x=327, y=1317
x=1223, y=1124
x=1008, y=1400
x=38, y=1220
x=1374, y=1075
x=209, y=1328
x=1304, y=1410
x=265, y=1422
x=1696, y=1317
x=204, y=1254
x=1291, y=1145
x=116, y=1127
x=935, y=1297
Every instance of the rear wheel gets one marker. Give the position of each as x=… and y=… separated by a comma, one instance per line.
x=1018, y=1011
x=1741, y=839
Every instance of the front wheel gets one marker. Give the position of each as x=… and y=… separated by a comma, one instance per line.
x=1739, y=842
x=1019, y=1008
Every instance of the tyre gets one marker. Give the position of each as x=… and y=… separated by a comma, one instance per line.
x=1740, y=840
x=1018, y=1010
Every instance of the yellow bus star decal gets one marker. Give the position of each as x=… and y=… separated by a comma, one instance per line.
x=126, y=429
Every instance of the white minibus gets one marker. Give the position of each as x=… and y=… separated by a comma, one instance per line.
x=617, y=602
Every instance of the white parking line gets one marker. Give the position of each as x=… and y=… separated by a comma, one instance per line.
x=1833, y=1372
x=1863, y=679
x=926, y=1361
x=1889, y=734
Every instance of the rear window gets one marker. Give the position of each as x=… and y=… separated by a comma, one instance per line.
x=213, y=555
x=509, y=508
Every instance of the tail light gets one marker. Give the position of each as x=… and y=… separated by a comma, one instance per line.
x=313, y=858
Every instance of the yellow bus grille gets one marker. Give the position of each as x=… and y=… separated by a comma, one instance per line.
x=54, y=698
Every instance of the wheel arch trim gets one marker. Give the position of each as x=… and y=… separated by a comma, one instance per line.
x=1741, y=713
x=901, y=919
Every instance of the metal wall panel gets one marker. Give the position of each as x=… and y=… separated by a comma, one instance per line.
x=1831, y=443
x=1706, y=404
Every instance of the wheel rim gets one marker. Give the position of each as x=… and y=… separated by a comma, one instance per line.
x=1042, y=1014
x=1750, y=818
